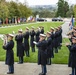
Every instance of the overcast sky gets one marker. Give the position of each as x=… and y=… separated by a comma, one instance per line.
x=44, y=2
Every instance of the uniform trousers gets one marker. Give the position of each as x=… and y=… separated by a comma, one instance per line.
x=11, y=68
x=74, y=71
x=44, y=69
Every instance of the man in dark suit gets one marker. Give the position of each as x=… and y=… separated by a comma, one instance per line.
x=9, y=53
x=42, y=53
x=20, y=47
x=72, y=49
x=26, y=41
x=32, y=38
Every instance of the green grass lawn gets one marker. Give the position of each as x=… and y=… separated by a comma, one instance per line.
x=75, y=23
x=60, y=58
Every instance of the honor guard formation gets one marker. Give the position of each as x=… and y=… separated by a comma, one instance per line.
x=47, y=45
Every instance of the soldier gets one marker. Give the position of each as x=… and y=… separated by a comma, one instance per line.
x=26, y=41
x=9, y=53
x=56, y=40
x=70, y=38
x=72, y=49
x=53, y=40
x=32, y=35
x=20, y=47
x=37, y=33
x=42, y=30
x=42, y=53
x=60, y=36
x=49, y=48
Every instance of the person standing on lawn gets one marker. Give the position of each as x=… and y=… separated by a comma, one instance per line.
x=72, y=49
x=26, y=41
x=42, y=30
x=49, y=48
x=53, y=41
x=32, y=38
x=42, y=53
x=9, y=53
x=20, y=47
x=60, y=36
x=37, y=33
x=56, y=39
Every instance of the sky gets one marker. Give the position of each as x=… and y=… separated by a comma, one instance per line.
x=44, y=2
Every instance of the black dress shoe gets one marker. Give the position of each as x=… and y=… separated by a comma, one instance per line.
x=48, y=64
x=70, y=74
x=42, y=74
x=10, y=72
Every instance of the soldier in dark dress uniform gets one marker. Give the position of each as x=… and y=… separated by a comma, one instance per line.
x=20, y=47
x=49, y=48
x=9, y=53
x=32, y=38
x=72, y=49
x=26, y=41
x=37, y=33
x=56, y=40
x=60, y=36
x=42, y=30
x=53, y=40
x=42, y=53
x=73, y=34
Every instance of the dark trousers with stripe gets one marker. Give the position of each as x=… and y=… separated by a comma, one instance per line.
x=11, y=68
x=44, y=69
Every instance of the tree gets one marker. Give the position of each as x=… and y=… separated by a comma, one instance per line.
x=66, y=8
x=25, y=11
x=70, y=12
x=44, y=13
x=60, y=11
x=75, y=11
x=13, y=10
x=4, y=12
x=63, y=8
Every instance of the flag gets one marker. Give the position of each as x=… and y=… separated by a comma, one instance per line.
x=71, y=24
x=72, y=21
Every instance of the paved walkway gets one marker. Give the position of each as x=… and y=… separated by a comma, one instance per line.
x=34, y=69
x=65, y=28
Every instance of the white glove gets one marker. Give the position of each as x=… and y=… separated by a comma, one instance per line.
x=35, y=42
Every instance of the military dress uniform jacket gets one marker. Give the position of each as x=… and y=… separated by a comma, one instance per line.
x=49, y=47
x=26, y=41
x=20, y=47
x=9, y=53
x=56, y=39
x=32, y=34
x=60, y=32
x=72, y=49
x=42, y=31
x=53, y=39
x=42, y=52
x=37, y=36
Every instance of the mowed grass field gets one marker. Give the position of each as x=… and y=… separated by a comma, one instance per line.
x=60, y=58
x=75, y=23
